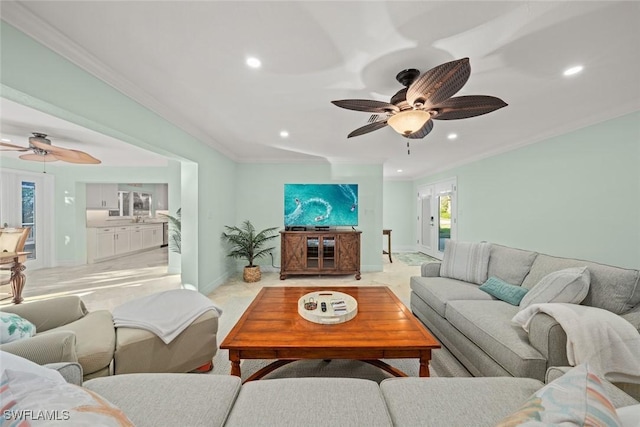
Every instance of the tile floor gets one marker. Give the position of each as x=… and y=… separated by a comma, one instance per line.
x=107, y=284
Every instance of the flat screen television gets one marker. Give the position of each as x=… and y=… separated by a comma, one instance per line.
x=320, y=205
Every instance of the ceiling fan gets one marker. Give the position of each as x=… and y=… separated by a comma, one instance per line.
x=44, y=151
x=425, y=97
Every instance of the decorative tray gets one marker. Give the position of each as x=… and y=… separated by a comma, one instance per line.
x=327, y=307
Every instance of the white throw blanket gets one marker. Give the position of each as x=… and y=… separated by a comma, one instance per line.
x=166, y=314
x=608, y=342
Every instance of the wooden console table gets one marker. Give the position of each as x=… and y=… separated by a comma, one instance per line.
x=320, y=252
x=18, y=279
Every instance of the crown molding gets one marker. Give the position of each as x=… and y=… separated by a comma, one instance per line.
x=20, y=17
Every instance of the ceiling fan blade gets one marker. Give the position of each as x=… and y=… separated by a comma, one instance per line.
x=11, y=147
x=76, y=156
x=368, y=128
x=367, y=105
x=439, y=83
x=39, y=157
x=462, y=107
x=423, y=131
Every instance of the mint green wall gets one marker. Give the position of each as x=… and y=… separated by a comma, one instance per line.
x=397, y=215
x=575, y=195
x=260, y=188
x=62, y=89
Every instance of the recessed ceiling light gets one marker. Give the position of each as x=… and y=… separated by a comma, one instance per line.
x=284, y=134
x=452, y=136
x=399, y=170
x=573, y=70
x=253, y=62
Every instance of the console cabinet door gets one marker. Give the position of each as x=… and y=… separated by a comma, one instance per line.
x=293, y=256
x=349, y=247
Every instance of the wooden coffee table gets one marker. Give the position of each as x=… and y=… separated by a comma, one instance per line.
x=384, y=328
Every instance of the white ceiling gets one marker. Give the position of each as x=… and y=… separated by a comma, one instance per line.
x=186, y=61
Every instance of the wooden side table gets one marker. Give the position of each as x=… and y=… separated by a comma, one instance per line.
x=387, y=232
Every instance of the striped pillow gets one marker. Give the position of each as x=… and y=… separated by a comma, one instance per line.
x=576, y=398
x=466, y=261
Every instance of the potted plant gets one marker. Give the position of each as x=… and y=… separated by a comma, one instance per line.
x=249, y=245
x=175, y=240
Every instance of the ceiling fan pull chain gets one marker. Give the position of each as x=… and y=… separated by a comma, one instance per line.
x=408, y=149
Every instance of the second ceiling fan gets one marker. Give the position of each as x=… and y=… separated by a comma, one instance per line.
x=425, y=97
x=44, y=151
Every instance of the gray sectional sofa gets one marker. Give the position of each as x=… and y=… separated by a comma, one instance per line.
x=217, y=400
x=475, y=328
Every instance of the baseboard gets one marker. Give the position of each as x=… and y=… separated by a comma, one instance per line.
x=211, y=286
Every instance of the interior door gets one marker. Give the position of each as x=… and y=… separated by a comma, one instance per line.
x=425, y=221
x=437, y=219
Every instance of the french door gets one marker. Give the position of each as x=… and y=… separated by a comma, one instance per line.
x=437, y=219
x=26, y=200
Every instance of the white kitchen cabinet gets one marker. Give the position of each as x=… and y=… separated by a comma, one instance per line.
x=122, y=240
x=108, y=242
x=152, y=236
x=104, y=243
x=102, y=196
x=135, y=242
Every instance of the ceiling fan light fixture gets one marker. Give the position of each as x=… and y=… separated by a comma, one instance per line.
x=409, y=121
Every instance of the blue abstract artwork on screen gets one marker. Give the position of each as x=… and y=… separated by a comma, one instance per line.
x=320, y=205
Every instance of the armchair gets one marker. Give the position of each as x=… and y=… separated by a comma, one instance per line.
x=66, y=332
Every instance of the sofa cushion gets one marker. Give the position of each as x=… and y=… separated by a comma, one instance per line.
x=612, y=288
x=567, y=286
x=310, y=402
x=152, y=400
x=510, y=264
x=95, y=340
x=576, y=398
x=465, y=261
x=437, y=291
x=454, y=401
x=503, y=290
x=488, y=325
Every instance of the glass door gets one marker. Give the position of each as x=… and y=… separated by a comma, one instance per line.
x=328, y=252
x=27, y=201
x=29, y=217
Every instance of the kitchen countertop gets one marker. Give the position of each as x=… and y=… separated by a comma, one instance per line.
x=124, y=223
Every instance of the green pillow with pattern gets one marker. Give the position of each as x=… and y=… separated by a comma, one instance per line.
x=14, y=328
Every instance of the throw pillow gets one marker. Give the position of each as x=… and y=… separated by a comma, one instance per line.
x=14, y=328
x=576, y=398
x=503, y=291
x=40, y=401
x=466, y=261
x=17, y=363
x=570, y=285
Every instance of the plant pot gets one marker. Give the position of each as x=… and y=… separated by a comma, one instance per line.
x=252, y=274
